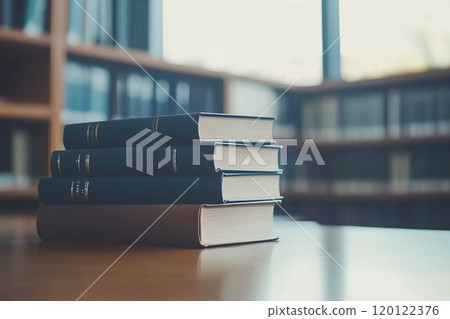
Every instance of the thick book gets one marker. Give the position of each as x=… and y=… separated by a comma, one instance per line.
x=210, y=189
x=178, y=225
x=181, y=128
x=182, y=160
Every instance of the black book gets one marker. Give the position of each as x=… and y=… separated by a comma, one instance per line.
x=211, y=189
x=182, y=160
x=181, y=128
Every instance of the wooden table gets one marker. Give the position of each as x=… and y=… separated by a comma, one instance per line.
x=381, y=264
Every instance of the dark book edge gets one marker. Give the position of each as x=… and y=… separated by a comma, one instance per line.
x=161, y=225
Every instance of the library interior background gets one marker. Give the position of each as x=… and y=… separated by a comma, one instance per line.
x=376, y=103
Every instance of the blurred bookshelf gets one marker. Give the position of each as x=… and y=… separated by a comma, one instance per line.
x=386, y=142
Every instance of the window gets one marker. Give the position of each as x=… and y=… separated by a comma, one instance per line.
x=271, y=39
x=394, y=37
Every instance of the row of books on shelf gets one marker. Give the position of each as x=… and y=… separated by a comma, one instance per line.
x=419, y=169
x=367, y=187
x=394, y=113
x=15, y=158
x=135, y=23
x=96, y=93
x=31, y=16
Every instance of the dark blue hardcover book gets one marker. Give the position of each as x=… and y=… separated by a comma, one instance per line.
x=181, y=160
x=210, y=189
x=182, y=129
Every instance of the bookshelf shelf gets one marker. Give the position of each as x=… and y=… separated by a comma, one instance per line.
x=14, y=37
x=387, y=142
x=116, y=55
x=382, y=196
x=403, y=79
x=19, y=194
x=24, y=111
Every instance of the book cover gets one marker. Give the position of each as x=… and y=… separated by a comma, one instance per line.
x=181, y=128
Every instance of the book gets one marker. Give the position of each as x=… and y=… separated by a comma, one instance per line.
x=181, y=128
x=211, y=189
x=327, y=109
x=400, y=171
x=363, y=116
x=98, y=106
x=75, y=88
x=133, y=93
x=419, y=112
x=183, y=96
x=185, y=160
x=161, y=97
x=182, y=225
x=106, y=21
x=119, y=96
x=443, y=110
x=75, y=30
x=91, y=29
x=155, y=34
x=13, y=12
x=121, y=24
x=146, y=102
x=35, y=17
x=139, y=24
x=394, y=104
x=5, y=158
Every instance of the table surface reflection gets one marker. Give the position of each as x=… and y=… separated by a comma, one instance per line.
x=305, y=264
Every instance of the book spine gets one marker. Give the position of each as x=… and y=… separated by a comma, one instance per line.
x=121, y=22
x=161, y=97
x=99, y=96
x=182, y=129
x=132, y=190
x=35, y=17
x=113, y=162
x=120, y=224
x=75, y=30
x=155, y=26
x=147, y=91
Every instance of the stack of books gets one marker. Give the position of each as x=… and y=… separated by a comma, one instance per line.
x=197, y=180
